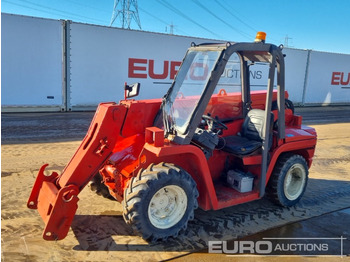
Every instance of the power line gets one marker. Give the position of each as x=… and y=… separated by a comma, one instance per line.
x=155, y=17
x=228, y=3
x=88, y=6
x=220, y=19
x=235, y=16
x=175, y=10
x=57, y=12
x=162, y=21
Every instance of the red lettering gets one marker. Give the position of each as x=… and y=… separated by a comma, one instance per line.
x=338, y=78
x=158, y=76
x=174, y=68
x=144, y=68
x=335, y=78
x=342, y=82
x=133, y=68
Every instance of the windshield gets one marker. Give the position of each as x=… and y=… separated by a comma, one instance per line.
x=189, y=85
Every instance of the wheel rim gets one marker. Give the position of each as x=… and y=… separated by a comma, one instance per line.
x=167, y=206
x=294, y=181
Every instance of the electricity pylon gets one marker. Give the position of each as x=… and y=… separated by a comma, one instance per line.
x=127, y=11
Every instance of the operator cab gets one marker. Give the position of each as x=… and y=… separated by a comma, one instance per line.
x=210, y=104
x=203, y=98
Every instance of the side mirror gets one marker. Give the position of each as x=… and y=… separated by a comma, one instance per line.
x=131, y=90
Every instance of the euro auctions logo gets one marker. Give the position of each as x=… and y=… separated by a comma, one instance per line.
x=341, y=78
x=240, y=247
x=280, y=246
x=144, y=68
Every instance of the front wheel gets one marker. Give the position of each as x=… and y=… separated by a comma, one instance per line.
x=288, y=180
x=159, y=201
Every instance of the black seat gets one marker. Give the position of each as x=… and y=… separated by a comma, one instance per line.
x=251, y=136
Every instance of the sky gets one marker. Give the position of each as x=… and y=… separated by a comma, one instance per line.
x=322, y=25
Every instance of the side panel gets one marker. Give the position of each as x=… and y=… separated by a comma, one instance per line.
x=329, y=79
x=295, y=64
x=31, y=63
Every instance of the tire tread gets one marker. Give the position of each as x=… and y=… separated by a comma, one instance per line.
x=273, y=190
x=140, y=184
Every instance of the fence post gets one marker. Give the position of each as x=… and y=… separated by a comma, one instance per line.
x=66, y=64
x=64, y=58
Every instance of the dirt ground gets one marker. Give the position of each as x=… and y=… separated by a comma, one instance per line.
x=99, y=233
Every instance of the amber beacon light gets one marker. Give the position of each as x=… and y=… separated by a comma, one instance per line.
x=260, y=37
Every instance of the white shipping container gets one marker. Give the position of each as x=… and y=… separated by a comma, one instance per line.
x=328, y=79
x=31, y=63
x=38, y=75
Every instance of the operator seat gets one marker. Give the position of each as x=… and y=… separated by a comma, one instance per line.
x=251, y=136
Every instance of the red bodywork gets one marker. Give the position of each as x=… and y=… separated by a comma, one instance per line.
x=122, y=139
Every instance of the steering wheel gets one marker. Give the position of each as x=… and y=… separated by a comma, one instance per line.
x=211, y=121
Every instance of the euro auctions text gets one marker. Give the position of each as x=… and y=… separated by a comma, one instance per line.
x=280, y=246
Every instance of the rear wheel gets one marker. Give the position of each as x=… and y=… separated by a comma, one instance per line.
x=159, y=201
x=288, y=180
x=287, y=105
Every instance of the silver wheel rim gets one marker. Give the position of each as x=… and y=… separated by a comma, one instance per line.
x=167, y=206
x=294, y=181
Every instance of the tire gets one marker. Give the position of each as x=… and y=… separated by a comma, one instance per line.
x=288, y=180
x=96, y=184
x=159, y=201
x=287, y=105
